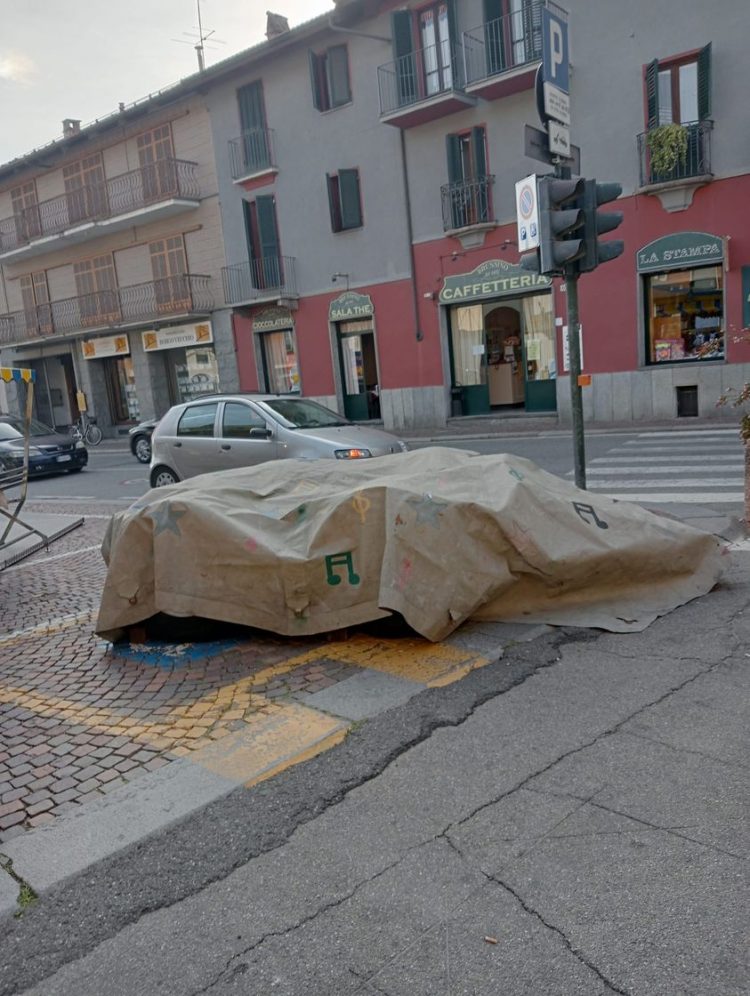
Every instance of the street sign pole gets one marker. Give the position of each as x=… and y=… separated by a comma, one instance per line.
x=576, y=396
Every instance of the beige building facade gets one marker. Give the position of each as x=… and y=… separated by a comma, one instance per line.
x=111, y=253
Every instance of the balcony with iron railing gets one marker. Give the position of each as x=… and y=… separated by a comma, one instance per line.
x=267, y=279
x=501, y=56
x=187, y=294
x=252, y=155
x=149, y=193
x=467, y=204
x=424, y=85
x=694, y=168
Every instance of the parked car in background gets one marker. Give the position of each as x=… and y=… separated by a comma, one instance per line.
x=50, y=451
x=140, y=439
x=235, y=430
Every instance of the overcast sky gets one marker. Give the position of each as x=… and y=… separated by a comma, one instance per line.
x=80, y=58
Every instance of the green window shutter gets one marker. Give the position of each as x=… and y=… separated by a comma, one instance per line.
x=252, y=111
x=453, y=151
x=351, y=209
x=317, y=96
x=652, y=95
x=337, y=74
x=494, y=39
x=479, y=153
x=268, y=236
x=704, y=83
x=403, y=54
x=333, y=202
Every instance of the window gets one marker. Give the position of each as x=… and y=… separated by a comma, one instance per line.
x=169, y=267
x=466, y=199
x=684, y=314
x=435, y=40
x=254, y=142
x=85, y=189
x=266, y=264
x=36, y=306
x=26, y=211
x=679, y=90
x=329, y=74
x=239, y=419
x=198, y=420
x=96, y=284
x=423, y=51
x=158, y=167
x=344, y=200
x=280, y=362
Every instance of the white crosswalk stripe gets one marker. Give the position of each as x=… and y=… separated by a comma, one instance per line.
x=691, y=465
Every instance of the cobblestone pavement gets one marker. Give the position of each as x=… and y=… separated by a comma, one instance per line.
x=80, y=717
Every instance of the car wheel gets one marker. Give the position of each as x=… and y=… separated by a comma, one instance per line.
x=162, y=477
x=142, y=449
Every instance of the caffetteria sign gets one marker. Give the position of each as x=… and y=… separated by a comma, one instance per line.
x=495, y=278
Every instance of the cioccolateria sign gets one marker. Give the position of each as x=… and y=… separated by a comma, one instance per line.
x=350, y=305
x=273, y=320
x=495, y=278
x=682, y=249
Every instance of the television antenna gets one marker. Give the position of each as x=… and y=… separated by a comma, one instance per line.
x=198, y=40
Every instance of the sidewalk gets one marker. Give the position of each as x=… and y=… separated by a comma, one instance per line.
x=108, y=751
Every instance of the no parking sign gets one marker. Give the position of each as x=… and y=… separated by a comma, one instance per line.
x=527, y=213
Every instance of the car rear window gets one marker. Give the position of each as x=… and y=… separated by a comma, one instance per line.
x=197, y=420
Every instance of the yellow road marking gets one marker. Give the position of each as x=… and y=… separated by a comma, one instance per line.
x=432, y=664
x=283, y=735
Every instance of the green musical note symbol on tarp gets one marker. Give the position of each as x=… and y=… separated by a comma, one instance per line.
x=335, y=560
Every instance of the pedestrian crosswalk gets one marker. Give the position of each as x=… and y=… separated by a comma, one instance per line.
x=705, y=466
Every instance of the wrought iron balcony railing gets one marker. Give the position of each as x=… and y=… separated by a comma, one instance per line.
x=185, y=294
x=158, y=181
x=697, y=161
x=424, y=73
x=252, y=152
x=467, y=203
x=509, y=42
x=260, y=278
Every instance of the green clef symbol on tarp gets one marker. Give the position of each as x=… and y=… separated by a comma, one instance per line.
x=340, y=560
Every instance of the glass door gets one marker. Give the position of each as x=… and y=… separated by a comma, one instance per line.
x=540, y=364
x=434, y=28
x=359, y=374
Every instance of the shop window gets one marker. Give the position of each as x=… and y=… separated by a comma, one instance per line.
x=280, y=362
x=198, y=420
x=685, y=315
x=329, y=74
x=344, y=200
x=192, y=372
x=239, y=419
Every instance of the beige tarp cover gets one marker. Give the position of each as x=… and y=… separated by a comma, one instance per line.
x=439, y=535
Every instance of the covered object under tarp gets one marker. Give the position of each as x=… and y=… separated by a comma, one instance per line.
x=438, y=535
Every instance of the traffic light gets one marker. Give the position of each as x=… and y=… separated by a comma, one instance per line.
x=597, y=223
x=560, y=218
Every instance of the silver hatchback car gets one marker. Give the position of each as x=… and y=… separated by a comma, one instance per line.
x=236, y=430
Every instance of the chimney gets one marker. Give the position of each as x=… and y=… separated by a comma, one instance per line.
x=71, y=127
x=276, y=24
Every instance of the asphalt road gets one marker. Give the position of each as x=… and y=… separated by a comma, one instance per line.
x=677, y=470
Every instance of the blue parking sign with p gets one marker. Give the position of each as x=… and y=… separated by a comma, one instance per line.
x=555, y=49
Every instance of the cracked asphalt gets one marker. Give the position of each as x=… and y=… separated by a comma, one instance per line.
x=570, y=819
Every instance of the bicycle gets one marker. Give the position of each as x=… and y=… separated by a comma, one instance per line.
x=86, y=429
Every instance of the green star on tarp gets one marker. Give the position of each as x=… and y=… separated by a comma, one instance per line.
x=165, y=519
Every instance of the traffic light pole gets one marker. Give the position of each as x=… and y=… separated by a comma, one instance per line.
x=576, y=397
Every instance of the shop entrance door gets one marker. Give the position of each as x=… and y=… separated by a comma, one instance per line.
x=540, y=367
x=359, y=372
